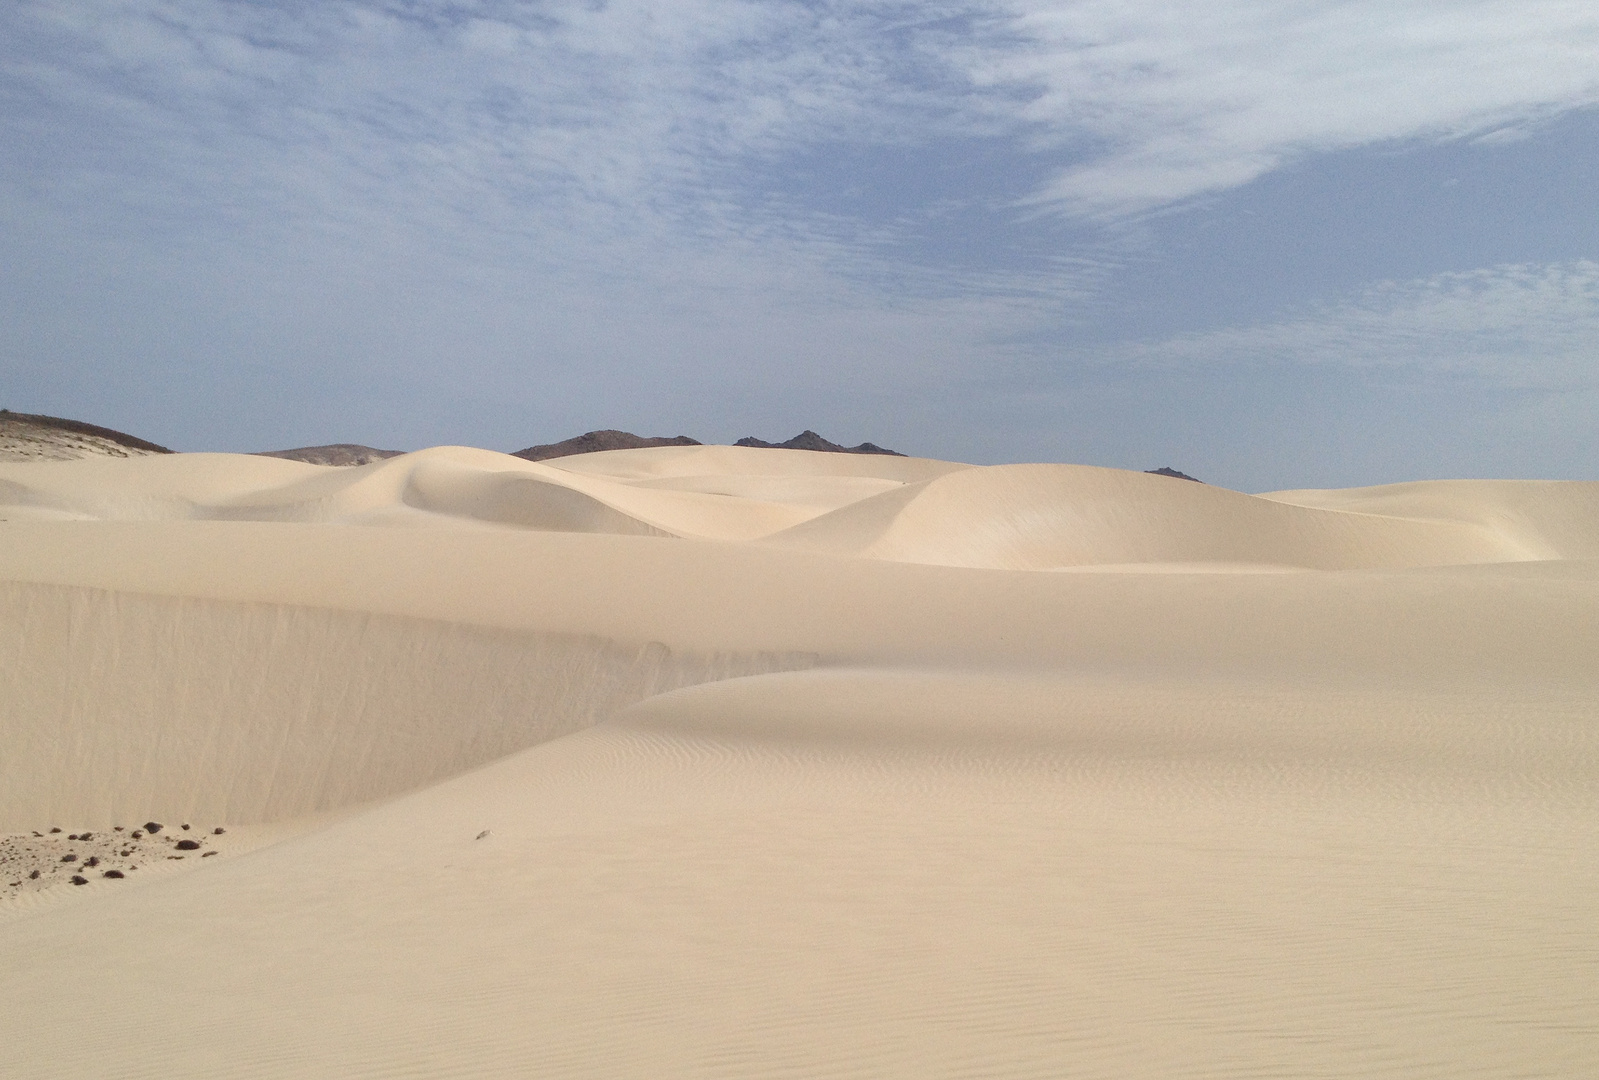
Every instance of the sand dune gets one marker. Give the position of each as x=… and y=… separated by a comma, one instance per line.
x=1041, y=517
x=721, y=761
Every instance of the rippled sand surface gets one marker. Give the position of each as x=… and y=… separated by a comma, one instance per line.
x=728, y=762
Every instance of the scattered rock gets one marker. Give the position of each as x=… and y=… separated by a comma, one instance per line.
x=118, y=828
x=185, y=826
x=112, y=873
x=152, y=827
x=92, y=860
x=55, y=830
x=208, y=854
x=481, y=835
x=218, y=831
x=72, y=836
x=69, y=857
x=188, y=845
x=137, y=835
x=34, y=876
x=79, y=879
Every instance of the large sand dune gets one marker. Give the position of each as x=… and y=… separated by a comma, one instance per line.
x=722, y=761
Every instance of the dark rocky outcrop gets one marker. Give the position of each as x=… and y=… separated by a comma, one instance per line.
x=78, y=427
x=333, y=454
x=809, y=440
x=1167, y=470
x=594, y=441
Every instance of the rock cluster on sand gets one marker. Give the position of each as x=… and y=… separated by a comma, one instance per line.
x=37, y=860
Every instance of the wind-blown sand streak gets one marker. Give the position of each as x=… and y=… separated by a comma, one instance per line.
x=714, y=761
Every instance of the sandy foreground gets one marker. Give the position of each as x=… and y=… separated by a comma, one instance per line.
x=729, y=762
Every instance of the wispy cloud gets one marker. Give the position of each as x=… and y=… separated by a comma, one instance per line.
x=1523, y=327
x=1164, y=101
x=630, y=115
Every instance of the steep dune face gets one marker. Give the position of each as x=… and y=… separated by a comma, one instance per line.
x=124, y=706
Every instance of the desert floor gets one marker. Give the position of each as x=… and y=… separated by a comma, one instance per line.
x=727, y=762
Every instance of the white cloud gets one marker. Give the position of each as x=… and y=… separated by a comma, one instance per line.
x=634, y=115
x=1166, y=100
x=1524, y=327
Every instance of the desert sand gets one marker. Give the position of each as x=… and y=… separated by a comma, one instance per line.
x=708, y=761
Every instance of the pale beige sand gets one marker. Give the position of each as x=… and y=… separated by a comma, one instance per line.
x=800, y=765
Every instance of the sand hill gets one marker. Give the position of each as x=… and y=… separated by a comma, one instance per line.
x=29, y=437
x=709, y=761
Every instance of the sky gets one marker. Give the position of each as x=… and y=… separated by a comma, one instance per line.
x=1272, y=243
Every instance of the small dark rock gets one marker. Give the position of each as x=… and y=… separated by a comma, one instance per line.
x=55, y=830
x=188, y=845
x=125, y=854
x=69, y=857
x=208, y=854
x=72, y=836
x=218, y=831
x=34, y=876
x=86, y=836
x=1167, y=470
x=170, y=857
x=137, y=835
x=112, y=873
x=152, y=827
x=118, y=828
x=79, y=879
x=92, y=860
x=185, y=826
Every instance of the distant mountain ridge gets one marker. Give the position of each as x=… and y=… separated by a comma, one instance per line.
x=809, y=440
x=333, y=454
x=35, y=437
x=594, y=441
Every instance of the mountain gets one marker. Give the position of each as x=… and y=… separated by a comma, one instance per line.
x=594, y=441
x=1167, y=470
x=809, y=440
x=333, y=454
x=29, y=437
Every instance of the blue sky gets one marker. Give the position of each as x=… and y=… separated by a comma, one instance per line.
x=1274, y=244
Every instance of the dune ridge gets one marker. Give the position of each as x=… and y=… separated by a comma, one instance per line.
x=706, y=761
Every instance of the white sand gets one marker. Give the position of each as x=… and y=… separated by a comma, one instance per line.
x=799, y=765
